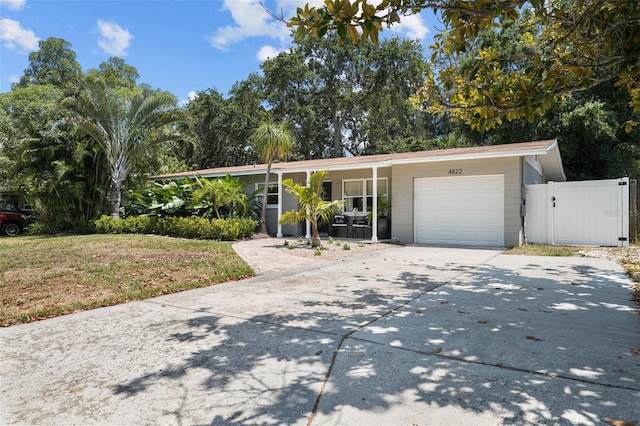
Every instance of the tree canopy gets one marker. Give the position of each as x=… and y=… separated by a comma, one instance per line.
x=53, y=63
x=63, y=169
x=347, y=98
x=123, y=128
x=574, y=45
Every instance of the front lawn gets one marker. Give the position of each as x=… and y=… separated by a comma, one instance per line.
x=42, y=277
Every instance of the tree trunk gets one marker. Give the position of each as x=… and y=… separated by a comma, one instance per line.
x=315, y=235
x=116, y=198
x=263, y=215
x=337, y=133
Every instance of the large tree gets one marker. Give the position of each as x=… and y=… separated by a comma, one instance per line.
x=116, y=72
x=588, y=124
x=55, y=167
x=53, y=63
x=224, y=125
x=585, y=43
x=124, y=128
x=345, y=92
x=273, y=141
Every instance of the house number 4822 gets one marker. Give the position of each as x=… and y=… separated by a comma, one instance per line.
x=455, y=171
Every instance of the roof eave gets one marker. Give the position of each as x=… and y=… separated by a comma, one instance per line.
x=552, y=163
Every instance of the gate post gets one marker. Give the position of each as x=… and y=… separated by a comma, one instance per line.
x=633, y=209
x=551, y=222
x=623, y=184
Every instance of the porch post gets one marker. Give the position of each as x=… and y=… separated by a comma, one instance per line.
x=279, y=234
x=308, y=235
x=374, y=212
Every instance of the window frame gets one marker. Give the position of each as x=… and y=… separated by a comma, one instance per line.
x=364, y=196
x=272, y=193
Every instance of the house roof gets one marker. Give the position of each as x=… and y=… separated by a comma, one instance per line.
x=547, y=152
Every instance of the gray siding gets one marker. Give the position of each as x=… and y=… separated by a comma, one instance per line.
x=531, y=175
x=402, y=181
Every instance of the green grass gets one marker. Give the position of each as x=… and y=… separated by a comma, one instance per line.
x=544, y=250
x=41, y=277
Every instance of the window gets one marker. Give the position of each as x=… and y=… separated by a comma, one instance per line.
x=358, y=193
x=272, y=193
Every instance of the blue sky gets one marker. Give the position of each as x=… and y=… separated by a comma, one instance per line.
x=182, y=46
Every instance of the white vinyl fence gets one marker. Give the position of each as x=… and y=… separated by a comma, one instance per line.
x=582, y=213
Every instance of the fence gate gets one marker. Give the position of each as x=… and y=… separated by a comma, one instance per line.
x=634, y=210
x=584, y=213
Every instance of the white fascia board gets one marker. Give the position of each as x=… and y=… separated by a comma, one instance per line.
x=232, y=173
x=276, y=170
x=476, y=156
x=359, y=166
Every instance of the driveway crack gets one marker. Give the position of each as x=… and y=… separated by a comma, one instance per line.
x=378, y=318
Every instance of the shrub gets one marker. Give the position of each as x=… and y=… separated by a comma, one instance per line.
x=187, y=227
x=37, y=228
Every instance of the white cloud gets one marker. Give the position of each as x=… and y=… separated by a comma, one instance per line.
x=113, y=38
x=268, y=52
x=13, y=35
x=251, y=20
x=412, y=27
x=190, y=96
x=14, y=79
x=13, y=4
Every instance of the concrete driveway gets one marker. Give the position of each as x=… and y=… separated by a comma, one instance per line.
x=405, y=335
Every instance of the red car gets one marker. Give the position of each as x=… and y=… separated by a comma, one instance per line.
x=11, y=223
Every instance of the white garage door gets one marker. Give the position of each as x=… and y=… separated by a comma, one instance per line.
x=460, y=210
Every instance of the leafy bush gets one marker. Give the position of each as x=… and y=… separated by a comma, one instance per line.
x=187, y=227
x=37, y=228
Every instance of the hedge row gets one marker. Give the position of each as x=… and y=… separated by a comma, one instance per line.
x=187, y=227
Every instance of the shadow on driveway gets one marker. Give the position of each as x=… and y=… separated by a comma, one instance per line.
x=416, y=335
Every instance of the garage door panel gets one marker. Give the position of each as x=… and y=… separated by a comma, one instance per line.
x=465, y=210
x=491, y=202
x=490, y=184
x=488, y=219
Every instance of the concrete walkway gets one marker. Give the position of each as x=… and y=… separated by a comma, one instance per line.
x=405, y=335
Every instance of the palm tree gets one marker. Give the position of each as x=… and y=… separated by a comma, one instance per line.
x=312, y=207
x=124, y=127
x=272, y=142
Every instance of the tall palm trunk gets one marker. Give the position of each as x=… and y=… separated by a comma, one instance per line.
x=315, y=235
x=263, y=215
x=116, y=199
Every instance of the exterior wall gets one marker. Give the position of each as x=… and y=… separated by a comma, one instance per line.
x=532, y=175
x=402, y=184
x=288, y=202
